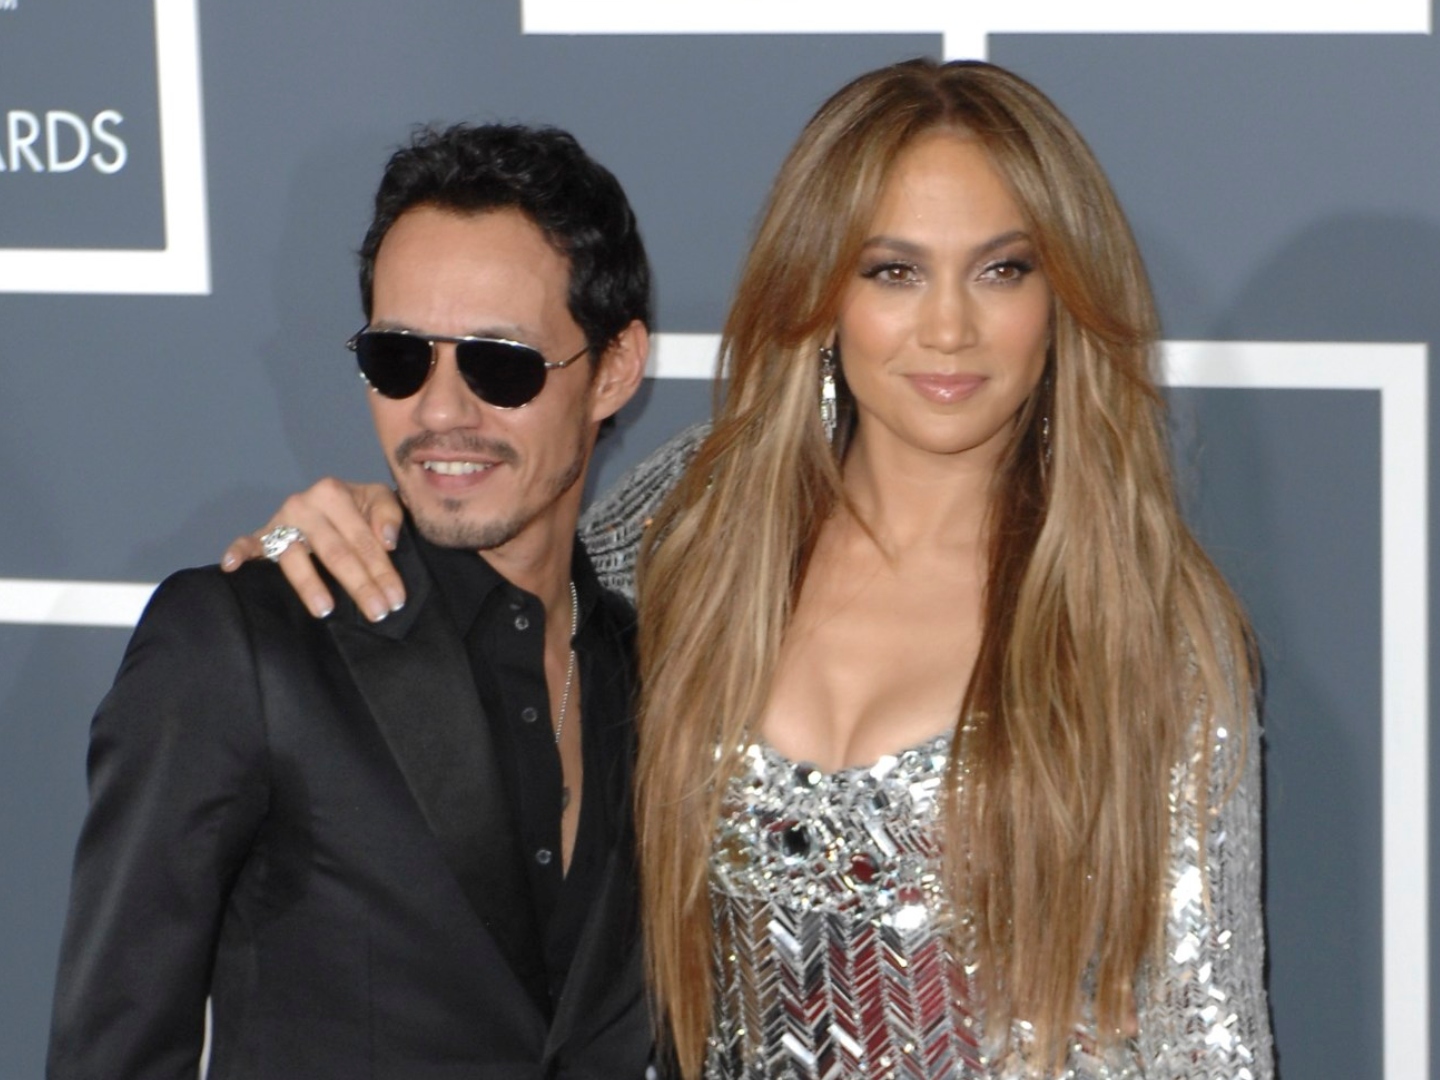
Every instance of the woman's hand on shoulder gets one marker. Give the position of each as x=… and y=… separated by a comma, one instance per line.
x=350, y=528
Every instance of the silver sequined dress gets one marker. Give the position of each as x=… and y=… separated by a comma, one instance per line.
x=831, y=921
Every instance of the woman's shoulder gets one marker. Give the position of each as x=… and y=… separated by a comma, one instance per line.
x=613, y=526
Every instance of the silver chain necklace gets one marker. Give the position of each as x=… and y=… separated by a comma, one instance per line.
x=570, y=666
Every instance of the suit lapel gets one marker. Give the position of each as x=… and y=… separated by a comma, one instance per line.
x=413, y=673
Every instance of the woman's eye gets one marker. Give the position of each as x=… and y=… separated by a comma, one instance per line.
x=891, y=273
x=1008, y=271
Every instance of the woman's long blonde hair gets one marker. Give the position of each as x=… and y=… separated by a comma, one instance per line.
x=1111, y=645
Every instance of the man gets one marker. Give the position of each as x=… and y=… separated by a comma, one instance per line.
x=398, y=848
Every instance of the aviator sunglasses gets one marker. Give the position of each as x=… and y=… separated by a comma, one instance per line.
x=502, y=373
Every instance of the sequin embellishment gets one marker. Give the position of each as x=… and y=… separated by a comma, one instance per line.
x=830, y=918
x=832, y=924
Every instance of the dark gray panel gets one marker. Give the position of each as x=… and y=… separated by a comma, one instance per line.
x=62, y=76
x=1280, y=185
x=51, y=679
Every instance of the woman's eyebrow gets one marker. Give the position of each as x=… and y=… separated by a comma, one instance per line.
x=911, y=248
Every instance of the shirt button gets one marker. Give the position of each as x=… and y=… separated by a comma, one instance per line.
x=522, y=623
x=543, y=856
x=529, y=714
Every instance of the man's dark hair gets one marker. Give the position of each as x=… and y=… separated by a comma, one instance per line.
x=546, y=175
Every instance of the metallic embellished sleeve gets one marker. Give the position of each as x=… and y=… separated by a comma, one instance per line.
x=613, y=525
x=1205, y=1014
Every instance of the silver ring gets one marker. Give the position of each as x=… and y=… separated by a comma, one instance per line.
x=278, y=539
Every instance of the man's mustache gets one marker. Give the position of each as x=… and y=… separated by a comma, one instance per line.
x=459, y=443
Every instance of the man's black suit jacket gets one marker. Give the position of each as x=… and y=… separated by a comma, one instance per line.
x=305, y=821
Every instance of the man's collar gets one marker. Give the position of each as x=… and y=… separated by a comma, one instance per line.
x=466, y=580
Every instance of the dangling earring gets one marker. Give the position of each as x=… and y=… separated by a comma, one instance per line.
x=829, y=412
x=1045, y=440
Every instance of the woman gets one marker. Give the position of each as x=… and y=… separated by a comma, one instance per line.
x=948, y=764
x=1025, y=826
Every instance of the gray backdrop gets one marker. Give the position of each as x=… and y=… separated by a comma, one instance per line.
x=1283, y=188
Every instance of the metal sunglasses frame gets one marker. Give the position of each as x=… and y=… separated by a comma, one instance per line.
x=353, y=344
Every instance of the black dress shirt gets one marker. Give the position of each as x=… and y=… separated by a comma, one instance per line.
x=504, y=632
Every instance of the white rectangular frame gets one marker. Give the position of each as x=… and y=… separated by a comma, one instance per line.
x=965, y=27
x=182, y=267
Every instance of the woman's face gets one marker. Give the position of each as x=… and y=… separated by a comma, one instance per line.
x=944, y=327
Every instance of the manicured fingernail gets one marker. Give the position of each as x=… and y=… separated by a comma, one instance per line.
x=229, y=562
x=376, y=611
x=391, y=535
x=396, y=596
x=321, y=609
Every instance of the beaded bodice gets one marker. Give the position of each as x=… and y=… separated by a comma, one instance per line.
x=833, y=930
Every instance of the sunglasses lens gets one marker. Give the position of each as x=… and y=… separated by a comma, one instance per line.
x=396, y=365
x=503, y=374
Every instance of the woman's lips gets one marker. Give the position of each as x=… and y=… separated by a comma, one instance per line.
x=946, y=389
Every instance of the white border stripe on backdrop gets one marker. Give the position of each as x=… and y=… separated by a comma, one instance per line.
x=35, y=602
x=1398, y=373
x=183, y=265
x=964, y=27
